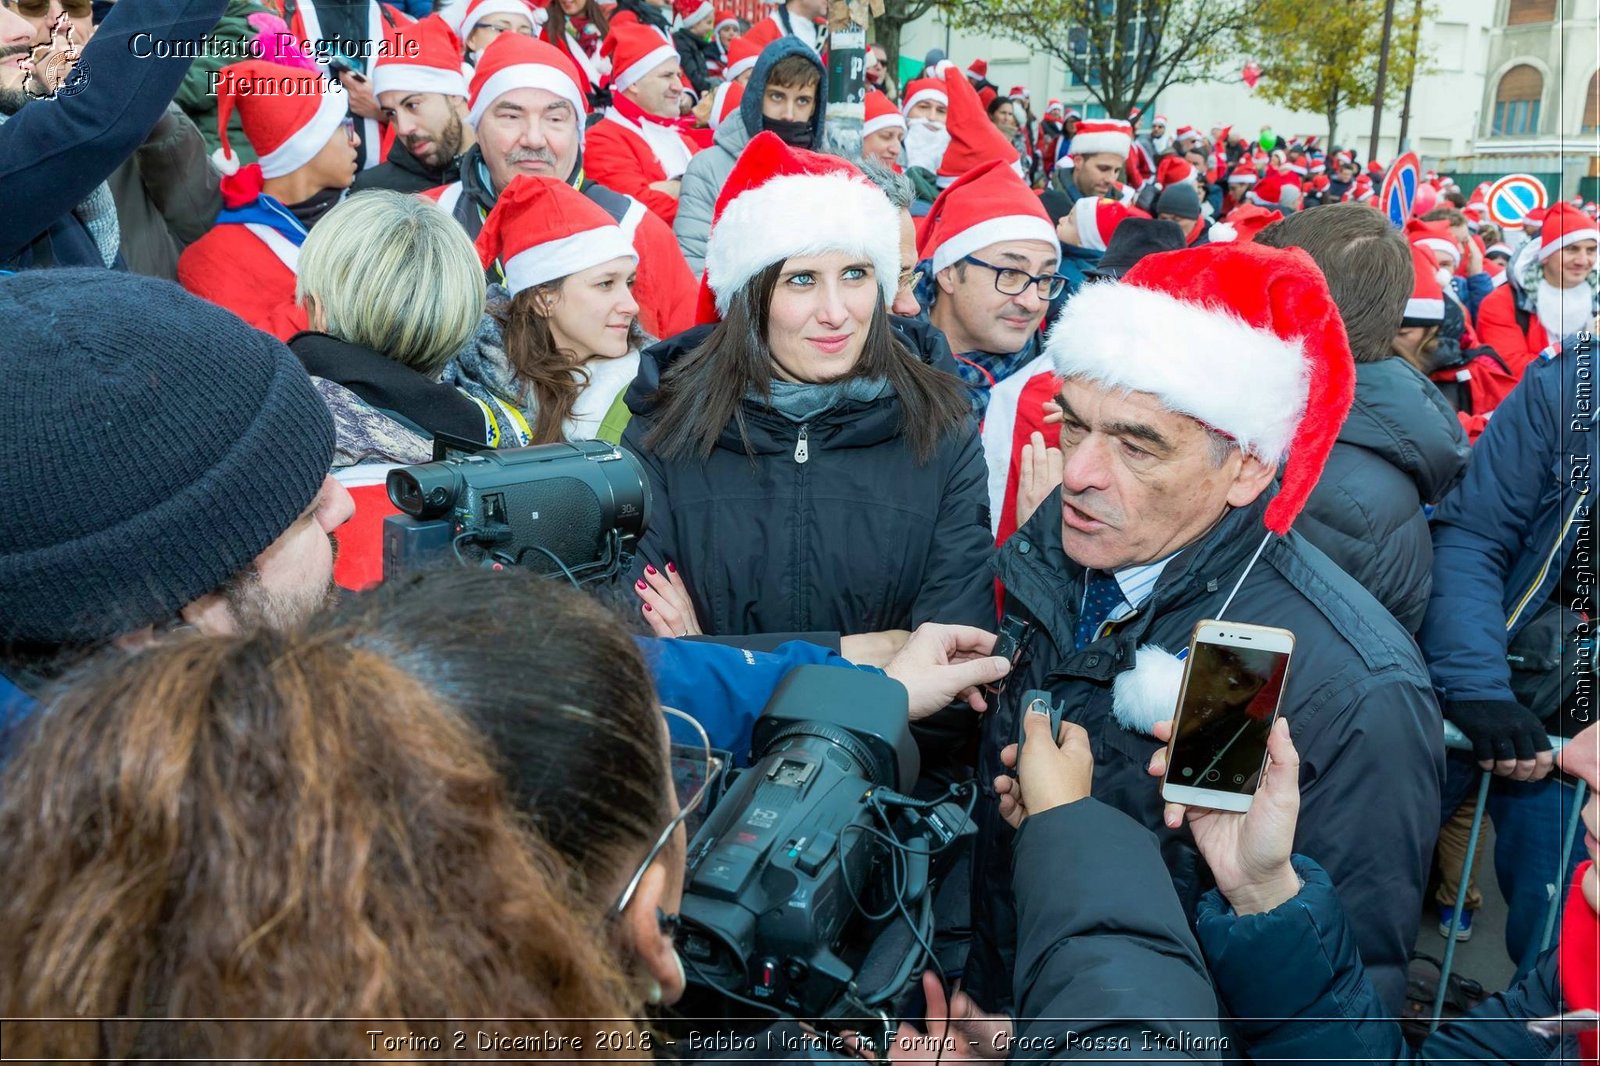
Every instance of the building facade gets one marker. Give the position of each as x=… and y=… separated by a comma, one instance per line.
x=1511, y=86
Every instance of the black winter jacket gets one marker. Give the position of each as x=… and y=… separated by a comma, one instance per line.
x=1358, y=702
x=855, y=537
x=1294, y=980
x=1401, y=447
x=404, y=172
x=1106, y=965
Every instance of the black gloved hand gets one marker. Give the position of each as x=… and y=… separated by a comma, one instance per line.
x=1499, y=729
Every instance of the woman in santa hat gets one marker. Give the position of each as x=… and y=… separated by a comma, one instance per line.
x=565, y=338
x=810, y=473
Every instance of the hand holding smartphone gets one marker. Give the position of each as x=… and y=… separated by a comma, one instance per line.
x=1233, y=682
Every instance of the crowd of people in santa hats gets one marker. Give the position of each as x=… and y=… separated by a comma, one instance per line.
x=1084, y=379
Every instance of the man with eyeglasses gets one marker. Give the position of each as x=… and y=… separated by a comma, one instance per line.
x=56, y=154
x=993, y=260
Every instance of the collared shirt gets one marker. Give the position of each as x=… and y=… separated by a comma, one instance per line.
x=1136, y=583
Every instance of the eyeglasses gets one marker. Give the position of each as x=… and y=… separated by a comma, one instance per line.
x=1013, y=282
x=38, y=9
x=349, y=127
x=910, y=278
x=522, y=28
x=694, y=770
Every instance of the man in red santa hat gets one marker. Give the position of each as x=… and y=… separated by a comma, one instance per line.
x=641, y=146
x=883, y=131
x=306, y=151
x=1095, y=159
x=528, y=111
x=423, y=95
x=1202, y=395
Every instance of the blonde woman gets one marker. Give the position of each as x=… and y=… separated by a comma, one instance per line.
x=392, y=288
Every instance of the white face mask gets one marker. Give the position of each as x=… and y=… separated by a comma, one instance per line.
x=925, y=144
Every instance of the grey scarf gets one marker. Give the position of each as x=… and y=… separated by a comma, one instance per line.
x=801, y=401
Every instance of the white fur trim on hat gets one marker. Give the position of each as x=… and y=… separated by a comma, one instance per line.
x=1102, y=141
x=803, y=214
x=992, y=231
x=556, y=259
x=733, y=70
x=924, y=94
x=1086, y=214
x=527, y=76
x=882, y=122
x=1149, y=692
x=1570, y=237
x=302, y=147
x=473, y=14
x=1439, y=244
x=641, y=67
x=417, y=78
x=1203, y=362
x=1423, y=309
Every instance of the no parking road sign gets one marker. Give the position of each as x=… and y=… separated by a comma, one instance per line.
x=1399, y=189
x=1513, y=196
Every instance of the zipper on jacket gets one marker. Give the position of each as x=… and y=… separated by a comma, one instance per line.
x=802, y=447
x=1549, y=560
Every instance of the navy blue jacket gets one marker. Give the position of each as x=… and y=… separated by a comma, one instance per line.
x=53, y=153
x=1357, y=700
x=1472, y=289
x=724, y=688
x=1501, y=539
x=1293, y=981
x=1106, y=965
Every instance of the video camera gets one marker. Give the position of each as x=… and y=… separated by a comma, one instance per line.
x=576, y=509
x=809, y=888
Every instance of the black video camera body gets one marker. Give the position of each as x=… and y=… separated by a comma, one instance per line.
x=809, y=886
x=576, y=509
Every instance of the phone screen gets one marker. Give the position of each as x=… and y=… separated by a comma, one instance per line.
x=1227, y=711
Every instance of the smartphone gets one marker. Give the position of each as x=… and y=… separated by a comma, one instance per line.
x=1233, y=682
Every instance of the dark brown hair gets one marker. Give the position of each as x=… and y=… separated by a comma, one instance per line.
x=555, y=376
x=705, y=390
x=1368, y=266
x=794, y=72
x=276, y=827
x=559, y=688
x=556, y=26
x=1447, y=214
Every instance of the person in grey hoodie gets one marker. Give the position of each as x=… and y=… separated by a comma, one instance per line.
x=784, y=95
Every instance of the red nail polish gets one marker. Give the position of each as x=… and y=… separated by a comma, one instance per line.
x=671, y=569
x=649, y=569
x=640, y=584
x=648, y=607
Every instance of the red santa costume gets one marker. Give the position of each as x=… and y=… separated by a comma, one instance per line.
x=665, y=289
x=630, y=149
x=783, y=24
x=247, y=262
x=991, y=203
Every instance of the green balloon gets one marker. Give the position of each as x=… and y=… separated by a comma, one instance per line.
x=1268, y=140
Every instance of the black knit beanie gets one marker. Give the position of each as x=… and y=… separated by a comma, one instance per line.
x=153, y=446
